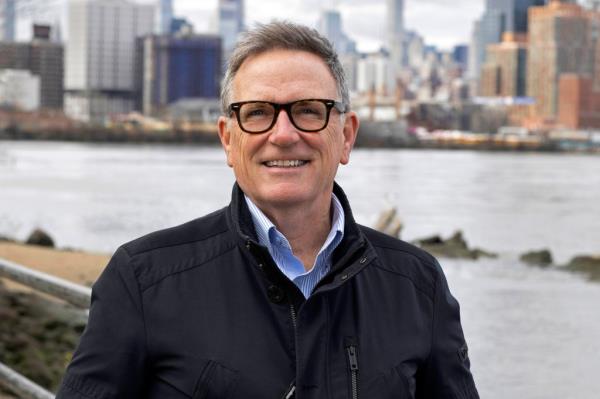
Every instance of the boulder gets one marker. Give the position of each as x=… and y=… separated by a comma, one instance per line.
x=454, y=247
x=586, y=264
x=40, y=237
x=542, y=258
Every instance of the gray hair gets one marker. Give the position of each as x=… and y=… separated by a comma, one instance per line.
x=282, y=35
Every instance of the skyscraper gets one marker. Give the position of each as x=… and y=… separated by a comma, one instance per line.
x=164, y=16
x=330, y=25
x=562, y=39
x=395, y=32
x=100, y=56
x=514, y=13
x=504, y=73
x=498, y=17
x=7, y=20
x=230, y=23
x=171, y=68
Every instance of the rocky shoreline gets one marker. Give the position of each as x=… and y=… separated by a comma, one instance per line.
x=456, y=247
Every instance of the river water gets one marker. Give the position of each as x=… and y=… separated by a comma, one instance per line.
x=532, y=333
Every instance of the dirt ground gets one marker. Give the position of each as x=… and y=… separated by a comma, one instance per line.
x=78, y=267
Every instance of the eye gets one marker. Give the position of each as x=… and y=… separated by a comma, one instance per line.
x=310, y=109
x=256, y=111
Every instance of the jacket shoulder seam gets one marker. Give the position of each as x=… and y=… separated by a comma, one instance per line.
x=179, y=243
x=421, y=290
x=193, y=266
x=420, y=257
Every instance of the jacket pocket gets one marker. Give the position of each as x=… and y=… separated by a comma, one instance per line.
x=215, y=382
x=351, y=347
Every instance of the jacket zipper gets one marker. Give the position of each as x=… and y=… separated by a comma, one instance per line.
x=293, y=314
x=353, y=366
x=291, y=392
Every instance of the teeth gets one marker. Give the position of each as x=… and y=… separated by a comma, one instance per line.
x=285, y=163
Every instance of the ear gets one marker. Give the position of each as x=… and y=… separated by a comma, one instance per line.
x=225, y=137
x=351, y=125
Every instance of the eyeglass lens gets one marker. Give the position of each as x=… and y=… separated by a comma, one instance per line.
x=305, y=115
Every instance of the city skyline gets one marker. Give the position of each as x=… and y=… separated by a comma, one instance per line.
x=441, y=23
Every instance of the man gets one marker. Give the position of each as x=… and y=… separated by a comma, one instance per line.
x=281, y=294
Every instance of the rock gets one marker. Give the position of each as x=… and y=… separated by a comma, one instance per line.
x=40, y=237
x=537, y=258
x=6, y=239
x=454, y=247
x=587, y=264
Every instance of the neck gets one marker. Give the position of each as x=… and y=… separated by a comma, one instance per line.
x=305, y=226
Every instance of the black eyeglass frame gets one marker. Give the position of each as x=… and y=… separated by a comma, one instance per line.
x=287, y=107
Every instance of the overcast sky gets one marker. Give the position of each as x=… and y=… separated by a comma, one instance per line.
x=442, y=22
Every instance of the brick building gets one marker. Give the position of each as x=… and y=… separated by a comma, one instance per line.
x=562, y=39
x=579, y=102
x=505, y=72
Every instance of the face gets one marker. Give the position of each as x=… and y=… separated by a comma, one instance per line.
x=257, y=160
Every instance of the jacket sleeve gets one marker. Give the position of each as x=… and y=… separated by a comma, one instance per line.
x=110, y=359
x=447, y=374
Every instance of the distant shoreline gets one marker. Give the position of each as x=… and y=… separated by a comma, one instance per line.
x=371, y=135
x=212, y=140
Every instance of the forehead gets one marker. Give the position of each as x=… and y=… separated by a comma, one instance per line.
x=282, y=76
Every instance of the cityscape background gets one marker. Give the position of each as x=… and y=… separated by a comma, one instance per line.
x=522, y=74
x=468, y=74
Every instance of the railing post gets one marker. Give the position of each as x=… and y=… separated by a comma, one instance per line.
x=22, y=386
x=75, y=294
x=72, y=293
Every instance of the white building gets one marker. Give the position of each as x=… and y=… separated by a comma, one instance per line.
x=19, y=88
x=100, y=56
x=375, y=71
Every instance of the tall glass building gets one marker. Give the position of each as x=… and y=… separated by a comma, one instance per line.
x=7, y=20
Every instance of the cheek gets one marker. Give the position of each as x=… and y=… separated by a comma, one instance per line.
x=242, y=151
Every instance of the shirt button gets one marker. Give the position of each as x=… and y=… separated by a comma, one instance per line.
x=275, y=294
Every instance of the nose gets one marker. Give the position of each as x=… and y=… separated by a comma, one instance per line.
x=284, y=133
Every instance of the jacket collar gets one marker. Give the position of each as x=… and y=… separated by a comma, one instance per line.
x=240, y=218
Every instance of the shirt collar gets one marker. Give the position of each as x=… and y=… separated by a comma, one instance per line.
x=267, y=233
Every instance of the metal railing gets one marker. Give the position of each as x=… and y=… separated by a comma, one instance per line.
x=72, y=293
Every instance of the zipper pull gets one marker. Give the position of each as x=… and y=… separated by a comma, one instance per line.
x=353, y=358
x=290, y=393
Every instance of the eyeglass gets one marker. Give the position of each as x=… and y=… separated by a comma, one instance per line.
x=311, y=115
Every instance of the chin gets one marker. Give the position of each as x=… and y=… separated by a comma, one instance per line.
x=284, y=196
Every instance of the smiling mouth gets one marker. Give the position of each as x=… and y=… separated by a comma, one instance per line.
x=285, y=163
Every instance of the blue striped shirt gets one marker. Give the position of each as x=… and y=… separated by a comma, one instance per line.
x=282, y=254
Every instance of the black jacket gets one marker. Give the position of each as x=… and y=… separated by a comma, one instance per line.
x=201, y=311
